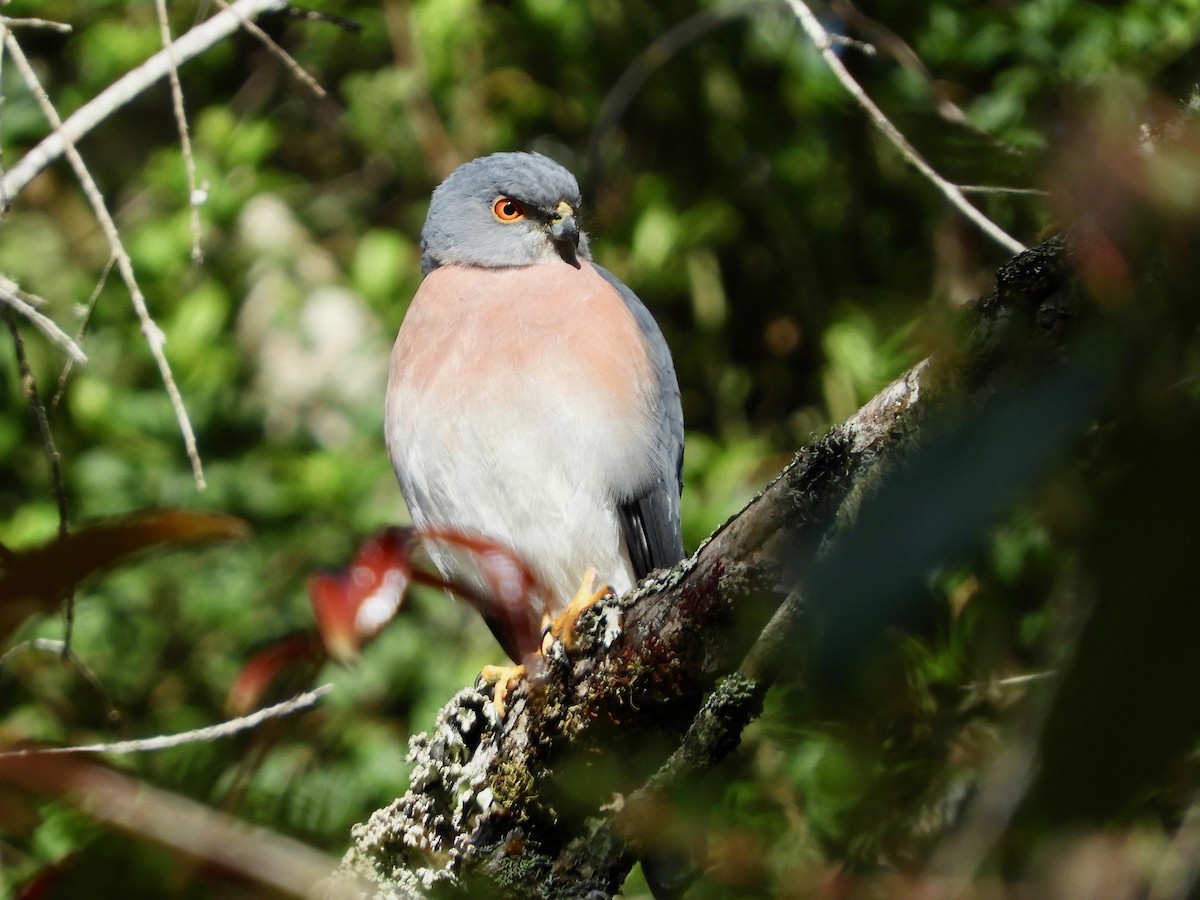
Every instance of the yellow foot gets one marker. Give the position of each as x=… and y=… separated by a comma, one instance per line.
x=504, y=678
x=562, y=627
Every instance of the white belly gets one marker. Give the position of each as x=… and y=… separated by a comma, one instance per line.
x=521, y=421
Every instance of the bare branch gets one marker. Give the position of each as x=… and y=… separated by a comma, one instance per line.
x=150, y=330
x=195, y=736
x=11, y=295
x=824, y=44
x=657, y=54
x=10, y=22
x=49, y=450
x=1000, y=189
x=29, y=386
x=195, y=197
x=688, y=655
x=63, y=651
x=83, y=326
x=282, y=55
x=129, y=86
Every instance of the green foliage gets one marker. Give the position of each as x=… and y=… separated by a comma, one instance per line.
x=794, y=261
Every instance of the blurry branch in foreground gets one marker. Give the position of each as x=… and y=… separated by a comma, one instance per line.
x=253, y=854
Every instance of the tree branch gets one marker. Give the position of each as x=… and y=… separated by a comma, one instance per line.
x=824, y=44
x=533, y=806
x=129, y=86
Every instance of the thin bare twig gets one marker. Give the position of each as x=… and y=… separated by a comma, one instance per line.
x=891, y=43
x=282, y=55
x=11, y=295
x=83, y=326
x=63, y=651
x=862, y=47
x=60, y=27
x=3, y=196
x=53, y=460
x=999, y=189
x=29, y=386
x=824, y=44
x=656, y=55
x=195, y=197
x=153, y=334
x=129, y=86
x=195, y=736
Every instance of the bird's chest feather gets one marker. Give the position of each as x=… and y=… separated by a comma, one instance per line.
x=509, y=378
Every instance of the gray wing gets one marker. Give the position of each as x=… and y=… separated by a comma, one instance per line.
x=650, y=517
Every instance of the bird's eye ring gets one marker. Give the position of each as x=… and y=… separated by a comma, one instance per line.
x=506, y=209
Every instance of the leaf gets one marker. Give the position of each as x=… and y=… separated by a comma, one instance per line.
x=265, y=666
x=352, y=606
x=35, y=580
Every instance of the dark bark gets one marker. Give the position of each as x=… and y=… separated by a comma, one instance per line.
x=558, y=799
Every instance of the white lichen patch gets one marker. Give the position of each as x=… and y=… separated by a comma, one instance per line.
x=421, y=839
x=613, y=621
x=659, y=580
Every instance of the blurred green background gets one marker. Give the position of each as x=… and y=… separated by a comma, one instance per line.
x=795, y=263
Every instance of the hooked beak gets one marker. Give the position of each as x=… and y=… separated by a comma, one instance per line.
x=564, y=232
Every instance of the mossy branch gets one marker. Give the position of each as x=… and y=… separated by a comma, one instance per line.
x=558, y=798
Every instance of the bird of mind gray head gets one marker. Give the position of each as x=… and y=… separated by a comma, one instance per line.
x=507, y=209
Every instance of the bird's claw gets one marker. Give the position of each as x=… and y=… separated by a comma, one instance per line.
x=503, y=677
x=562, y=627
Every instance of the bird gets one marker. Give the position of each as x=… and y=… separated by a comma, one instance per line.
x=532, y=399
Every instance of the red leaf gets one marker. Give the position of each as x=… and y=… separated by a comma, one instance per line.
x=353, y=606
x=35, y=580
x=267, y=665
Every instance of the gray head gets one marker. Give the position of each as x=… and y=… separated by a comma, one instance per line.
x=507, y=209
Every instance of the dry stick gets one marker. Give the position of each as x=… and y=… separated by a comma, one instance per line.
x=824, y=44
x=10, y=294
x=1000, y=189
x=83, y=327
x=282, y=55
x=195, y=736
x=195, y=197
x=899, y=49
x=129, y=86
x=60, y=27
x=153, y=334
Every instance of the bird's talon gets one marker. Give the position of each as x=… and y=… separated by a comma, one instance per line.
x=562, y=628
x=504, y=677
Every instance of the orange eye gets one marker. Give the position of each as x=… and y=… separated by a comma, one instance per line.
x=507, y=209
